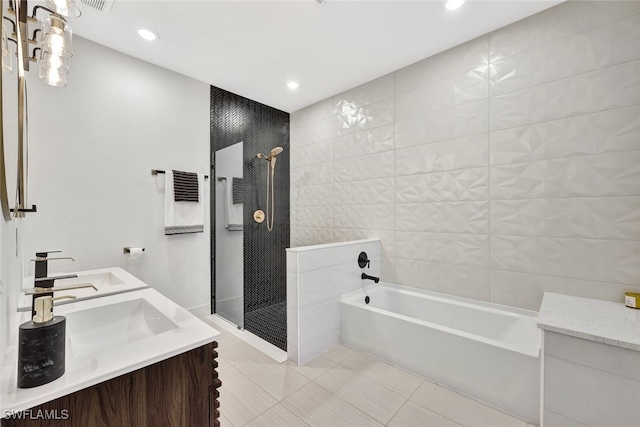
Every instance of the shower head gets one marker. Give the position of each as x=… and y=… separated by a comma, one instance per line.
x=274, y=152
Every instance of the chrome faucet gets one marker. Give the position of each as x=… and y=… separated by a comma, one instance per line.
x=365, y=276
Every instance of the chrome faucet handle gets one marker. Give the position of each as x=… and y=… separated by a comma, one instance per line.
x=38, y=290
x=47, y=258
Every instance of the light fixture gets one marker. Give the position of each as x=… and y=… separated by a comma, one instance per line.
x=147, y=34
x=292, y=85
x=54, y=41
x=454, y=4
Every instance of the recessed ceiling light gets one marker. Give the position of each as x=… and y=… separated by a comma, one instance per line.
x=454, y=4
x=147, y=34
x=292, y=85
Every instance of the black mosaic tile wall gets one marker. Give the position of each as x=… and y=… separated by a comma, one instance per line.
x=234, y=119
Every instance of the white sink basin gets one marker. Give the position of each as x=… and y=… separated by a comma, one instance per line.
x=96, y=329
x=108, y=281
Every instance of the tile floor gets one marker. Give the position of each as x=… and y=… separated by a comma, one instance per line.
x=342, y=387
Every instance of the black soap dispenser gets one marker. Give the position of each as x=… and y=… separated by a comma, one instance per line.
x=41, y=346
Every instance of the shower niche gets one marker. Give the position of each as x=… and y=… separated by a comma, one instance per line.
x=248, y=265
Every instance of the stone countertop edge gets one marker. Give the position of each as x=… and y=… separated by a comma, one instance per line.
x=595, y=320
x=108, y=364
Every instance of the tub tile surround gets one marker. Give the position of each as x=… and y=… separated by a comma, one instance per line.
x=497, y=170
x=317, y=276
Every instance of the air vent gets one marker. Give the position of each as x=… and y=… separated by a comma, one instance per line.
x=103, y=6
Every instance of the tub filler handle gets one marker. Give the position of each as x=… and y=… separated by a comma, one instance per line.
x=363, y=260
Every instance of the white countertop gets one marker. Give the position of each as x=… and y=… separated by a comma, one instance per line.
x=601, y=321
x=92, y=368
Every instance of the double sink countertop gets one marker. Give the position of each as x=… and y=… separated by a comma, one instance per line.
x=122, y=327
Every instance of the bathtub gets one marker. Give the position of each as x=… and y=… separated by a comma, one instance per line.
x=483, y=350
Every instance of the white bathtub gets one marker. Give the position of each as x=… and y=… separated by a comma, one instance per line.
x=486, y=351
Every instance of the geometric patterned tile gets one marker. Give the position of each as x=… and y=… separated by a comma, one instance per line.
x=597, y=133
x=454, y=186
x=374, y=191
x=462, y=153
x=365, y=94
x=615, y=174
x=447, y=217
x=601, y=47
x=371, y=166
x=362, y=143
x=605, y=89
x=459, y=249
x=361, y=118
x=557, y=23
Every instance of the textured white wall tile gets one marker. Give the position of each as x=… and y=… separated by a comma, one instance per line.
x=368, y=217
x=460, y=185
x=317, y=195
x=464, y=120
x=331, y=255
x=461, y=153
x=311, y=133
x=315, y=217
x=449, y=248
x=457, y=60
x=605, y=89
x=611, y=44
x=311, y=154
x=366, y=142
x=526, y=290
x=375, y=191
x=616, y=174
x=373, y=166
x=311, y=114
x=596, y=133
x=469, y=282
x=387, y=238
x=363, y=118
x=368, y=93
x=444, y=217
x=559, y=22
x=593, y=217
x=614, y=261
x=450, y=92
x=321, y=173
x=388, y=269
x=305, y=236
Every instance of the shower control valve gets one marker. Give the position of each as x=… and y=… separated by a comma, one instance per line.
x=363, y=260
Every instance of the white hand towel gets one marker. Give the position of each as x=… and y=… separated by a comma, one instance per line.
x=232, y=213
x=182, y=217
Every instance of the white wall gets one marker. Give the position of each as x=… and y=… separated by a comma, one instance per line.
x=92, y=147
x=497, y=170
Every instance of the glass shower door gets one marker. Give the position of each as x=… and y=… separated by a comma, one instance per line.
x=229, y=234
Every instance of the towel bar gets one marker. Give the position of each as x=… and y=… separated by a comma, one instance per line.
x=157, y=171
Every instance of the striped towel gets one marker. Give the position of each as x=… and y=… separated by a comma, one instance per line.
x=236, y=190
x=185, y=186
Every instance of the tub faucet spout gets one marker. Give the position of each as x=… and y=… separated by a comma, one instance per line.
x=367, y=277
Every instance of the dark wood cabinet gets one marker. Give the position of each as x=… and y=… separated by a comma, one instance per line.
x=181, y=391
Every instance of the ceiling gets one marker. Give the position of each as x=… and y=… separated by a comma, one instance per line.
x=253, y=48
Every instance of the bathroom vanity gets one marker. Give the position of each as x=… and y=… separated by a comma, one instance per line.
x=591, y=362
x=134, y=358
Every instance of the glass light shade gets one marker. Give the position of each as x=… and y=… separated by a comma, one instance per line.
x=52, y=76
x=67, y=8
x=57, y=36
x=59, y=63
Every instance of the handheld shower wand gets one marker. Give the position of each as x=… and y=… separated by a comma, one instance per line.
x=271, y=159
